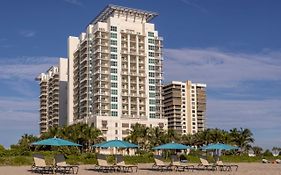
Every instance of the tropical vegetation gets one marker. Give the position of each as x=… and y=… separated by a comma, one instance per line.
x=145, y=137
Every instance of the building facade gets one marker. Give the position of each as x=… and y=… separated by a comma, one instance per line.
x=185, y=106
x=53, y=96
x=115, y=72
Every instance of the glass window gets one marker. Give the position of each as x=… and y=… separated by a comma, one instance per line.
x=151, y=67
x=152, y=101
x=152, y=115
x=151, y=94
x=113, y=70
x=150, y=34
x=152, y=108
x=114, y=91
x=113, y=56
x=151, y=54
x=151, y=41
x=113, y=35
x=113, y=28
x=114, y=99
x=114, y=77
x=151, y=74
x=113, y=49
x=152, y=88
x=151, y=47
x=151, y=60
x=113, y=63
x=113, y=42
x=151, y=81
x=113, y=84
x=114, y=106
x=114, y=113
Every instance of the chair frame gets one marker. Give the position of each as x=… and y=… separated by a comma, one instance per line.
x=62, y=166
x=122, y=166
x=40, y=166
x=160, y=165
x=206, y=165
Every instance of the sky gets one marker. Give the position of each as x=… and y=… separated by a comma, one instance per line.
x=233, y=46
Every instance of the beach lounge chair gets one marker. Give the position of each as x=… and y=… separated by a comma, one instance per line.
x=265, y=161
x=226, y=167
x=103, y=165
x=160, y=165
x=62, y=167
x=120, y=163
x=178, y=166
x=205, y=165
x=278, y=161
x=40, y=166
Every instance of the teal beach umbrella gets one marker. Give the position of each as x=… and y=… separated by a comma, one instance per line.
x=55, y=142
x=171, y=146
x=115, y=144
x=219, y=146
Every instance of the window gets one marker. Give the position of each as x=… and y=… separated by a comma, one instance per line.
x=151, y=74
x=113, y=56
x=113, y=49
x=152, y=115
x=151, y=81
x=152, y=108
x=113, y=70
x=151, y=54
x=113, y=35
x=151, y=41
x=151, y=94
x=150, y=34
x=114, y=113
x=151, y=47
x=113, y=63
x=113, y=28
x=114, y=77
x=114, y=106
x=114, y=91
x=114, y=85
x=151, y=67
x=151, y=101
x=151, y=61
x=152, y=88
x=113, y=42
x=114, y=99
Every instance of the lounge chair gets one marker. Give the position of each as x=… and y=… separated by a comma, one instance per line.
x=40, y=166
x=103, y=165
x=205, y=165
x=178, y=166
x=226, y=167
x=265, y=161
x=160, y=165
x=120, y=163
x=278, y=161
x=63, y=167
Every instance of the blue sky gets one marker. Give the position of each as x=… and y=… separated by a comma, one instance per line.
x=233, y=46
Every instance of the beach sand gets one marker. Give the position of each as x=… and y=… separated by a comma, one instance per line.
x=145, y=169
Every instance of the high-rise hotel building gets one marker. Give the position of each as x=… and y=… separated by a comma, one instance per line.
x=115, y=72
x=53, y=96
x=185, y=106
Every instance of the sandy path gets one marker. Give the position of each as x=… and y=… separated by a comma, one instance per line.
x=144, y=169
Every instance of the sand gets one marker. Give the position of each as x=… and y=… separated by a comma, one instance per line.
x=144, y=169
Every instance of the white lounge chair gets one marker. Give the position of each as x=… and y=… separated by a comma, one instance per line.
x=40, y=165
x=63, y=167
x=120, y=163
x=160, y=165
x=206, y=165
x=178, y=166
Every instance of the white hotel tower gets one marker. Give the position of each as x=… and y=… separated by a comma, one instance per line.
x=115, y=72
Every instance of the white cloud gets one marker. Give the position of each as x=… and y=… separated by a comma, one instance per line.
x=25, y=68
x=255, y=114
x=27, y=33
x=220, y=69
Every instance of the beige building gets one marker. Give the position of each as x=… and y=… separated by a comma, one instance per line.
x=185, y=106
x=115, y=72
x=53, y=96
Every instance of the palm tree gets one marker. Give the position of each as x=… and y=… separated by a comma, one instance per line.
x=242, y=138
x=257, y=150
